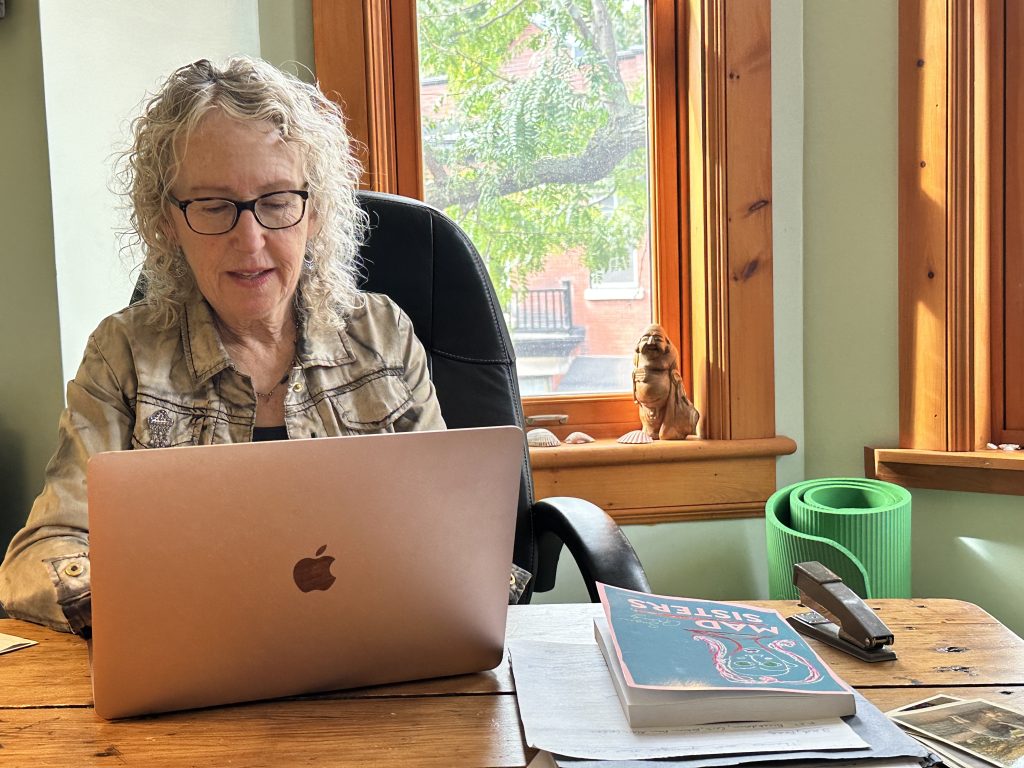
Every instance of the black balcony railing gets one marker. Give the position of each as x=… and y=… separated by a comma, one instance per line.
x=541, y=310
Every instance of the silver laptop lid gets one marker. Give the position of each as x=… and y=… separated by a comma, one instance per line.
x=238, y=572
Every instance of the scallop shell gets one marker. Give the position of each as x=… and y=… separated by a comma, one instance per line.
x=542, y=438
x=636, y=437
x=1009, y=447
x=575, y=438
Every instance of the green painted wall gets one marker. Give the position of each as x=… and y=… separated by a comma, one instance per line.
x=969, y=546
x=30, y=374
x=286, y=35
x=850, y=301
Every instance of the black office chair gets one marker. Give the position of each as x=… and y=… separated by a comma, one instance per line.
x=428, y=266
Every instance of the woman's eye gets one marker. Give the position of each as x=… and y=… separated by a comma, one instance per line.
x=213, y=207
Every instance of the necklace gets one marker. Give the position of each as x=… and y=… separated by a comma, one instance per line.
x=267, y=395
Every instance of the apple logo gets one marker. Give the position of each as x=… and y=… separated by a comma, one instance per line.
x=314, y=572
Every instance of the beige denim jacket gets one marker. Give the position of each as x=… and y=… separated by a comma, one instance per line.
x=140, y=387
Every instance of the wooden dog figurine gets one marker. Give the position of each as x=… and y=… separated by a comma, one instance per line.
x=665, y=411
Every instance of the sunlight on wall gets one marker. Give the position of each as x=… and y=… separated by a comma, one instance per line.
x=995, y=555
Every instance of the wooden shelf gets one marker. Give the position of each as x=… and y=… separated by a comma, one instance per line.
x=972, y=471
x=664, y=481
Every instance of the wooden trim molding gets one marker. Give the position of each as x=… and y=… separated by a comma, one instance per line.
x=944, y=237
x=950, y=245
x=668, y=153
x=974, y=471
x=367, y=58
x=342, y=68
x=729, y=149
x=666, y=481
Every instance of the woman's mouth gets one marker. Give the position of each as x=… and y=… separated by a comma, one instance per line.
x=251, y=277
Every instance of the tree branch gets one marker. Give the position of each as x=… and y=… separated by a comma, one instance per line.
x=487, y=22
x=438, y=172
x=500, y=16
x=601, y=37
x=462, y=54
x=605, y=150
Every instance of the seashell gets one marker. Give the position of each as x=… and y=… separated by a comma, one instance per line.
x=542, y=438
x=575, y=438
x=636, y=437
x=1009, y=447
x=992, y=446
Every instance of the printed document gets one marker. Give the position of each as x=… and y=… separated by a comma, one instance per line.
x=569, y=706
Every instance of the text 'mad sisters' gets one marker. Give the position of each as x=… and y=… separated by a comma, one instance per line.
x=679, y=661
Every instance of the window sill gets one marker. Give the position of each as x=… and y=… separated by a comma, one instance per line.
x=664, y=481
x=972, y=471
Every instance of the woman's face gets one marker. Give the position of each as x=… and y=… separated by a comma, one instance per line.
x=249, y=274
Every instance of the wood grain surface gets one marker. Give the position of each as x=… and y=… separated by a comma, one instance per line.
x=46, y=718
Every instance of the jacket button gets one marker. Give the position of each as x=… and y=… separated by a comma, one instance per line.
x=74, y=569
x=296, y=387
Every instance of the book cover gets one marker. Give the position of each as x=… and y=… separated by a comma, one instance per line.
x=738, y=661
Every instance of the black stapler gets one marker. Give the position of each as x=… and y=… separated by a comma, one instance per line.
x=839, y=617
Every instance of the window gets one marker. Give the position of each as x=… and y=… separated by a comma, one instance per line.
x=961, y=315
x=534, y=136
x=708, y=231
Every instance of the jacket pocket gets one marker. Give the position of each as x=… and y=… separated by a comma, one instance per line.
x=372, y=403
x=161, y=423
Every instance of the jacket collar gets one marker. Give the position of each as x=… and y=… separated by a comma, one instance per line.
x=206, y=356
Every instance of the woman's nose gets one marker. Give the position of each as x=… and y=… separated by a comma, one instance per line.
x=247, y=232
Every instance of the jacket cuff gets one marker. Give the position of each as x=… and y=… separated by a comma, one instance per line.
x=70, y=577
x=517, y=583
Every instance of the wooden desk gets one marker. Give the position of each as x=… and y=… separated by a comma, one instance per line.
x=46, y=716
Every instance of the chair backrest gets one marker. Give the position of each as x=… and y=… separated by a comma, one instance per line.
x=427, y=265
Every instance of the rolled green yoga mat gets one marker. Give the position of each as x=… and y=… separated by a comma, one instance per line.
x=858, y=528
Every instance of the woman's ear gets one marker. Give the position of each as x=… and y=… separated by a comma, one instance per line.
x=167, y=228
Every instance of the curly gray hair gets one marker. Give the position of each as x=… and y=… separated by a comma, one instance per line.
x=247, y=89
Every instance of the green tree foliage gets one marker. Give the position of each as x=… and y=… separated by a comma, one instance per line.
x=538, y=145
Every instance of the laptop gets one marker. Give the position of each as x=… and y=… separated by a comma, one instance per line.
x=232, y=573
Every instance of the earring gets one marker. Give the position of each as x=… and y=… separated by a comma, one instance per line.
x=179, y=268
x=308, y=265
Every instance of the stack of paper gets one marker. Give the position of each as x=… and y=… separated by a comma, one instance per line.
x=696, y=683
x=10, y=643
x=569, y=709
x=966, y=732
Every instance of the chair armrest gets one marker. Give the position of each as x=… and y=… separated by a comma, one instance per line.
x=601, y=550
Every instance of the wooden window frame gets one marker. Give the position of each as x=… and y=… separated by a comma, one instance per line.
x=712, y=233
x=950, y=251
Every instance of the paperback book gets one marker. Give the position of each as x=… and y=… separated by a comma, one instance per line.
x=677, y=661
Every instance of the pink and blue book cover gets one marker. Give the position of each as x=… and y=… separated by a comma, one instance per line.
x=675, y=643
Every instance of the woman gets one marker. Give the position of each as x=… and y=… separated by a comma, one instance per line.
x=241, y=183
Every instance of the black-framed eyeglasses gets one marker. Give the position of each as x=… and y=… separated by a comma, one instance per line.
x=217, y=215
